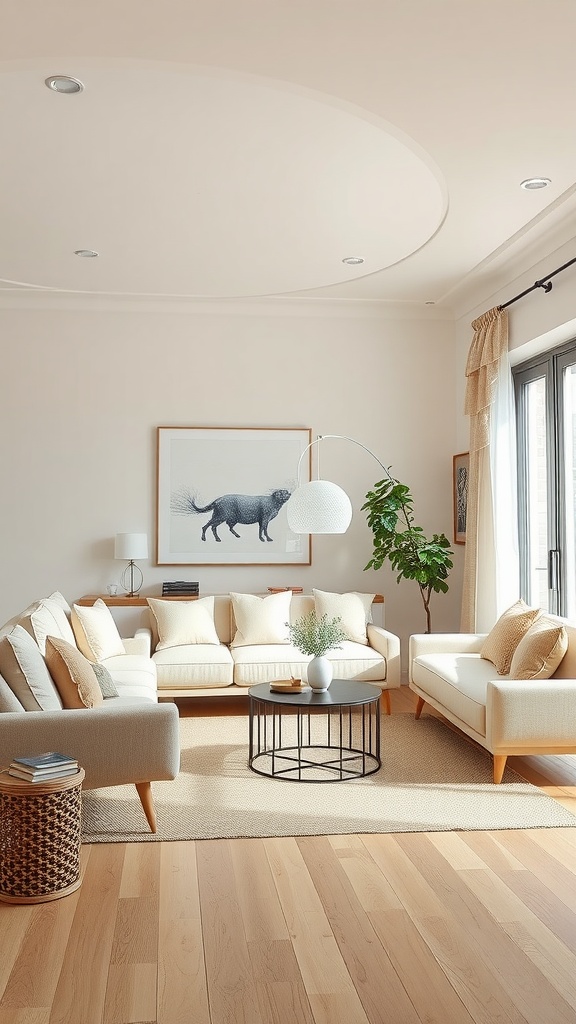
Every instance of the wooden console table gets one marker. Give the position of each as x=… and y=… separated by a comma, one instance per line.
x=123, y=601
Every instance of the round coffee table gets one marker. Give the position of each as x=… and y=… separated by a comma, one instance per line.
x=329, y=736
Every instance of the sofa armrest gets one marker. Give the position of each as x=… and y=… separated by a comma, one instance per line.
x=140, y=643
x=388, y=645
x=116, y=743
x=443, y=643
x=530, y=714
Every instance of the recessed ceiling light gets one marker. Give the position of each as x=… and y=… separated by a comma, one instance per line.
x=63, y=83
x=87, y=253
x=533, y=183
x=353, y=261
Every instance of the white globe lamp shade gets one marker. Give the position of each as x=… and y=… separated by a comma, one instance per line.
x=319, y=507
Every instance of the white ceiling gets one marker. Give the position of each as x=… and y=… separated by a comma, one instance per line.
x=237, y=148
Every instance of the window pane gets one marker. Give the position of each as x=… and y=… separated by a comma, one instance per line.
x=568, y=506
x=537, y=511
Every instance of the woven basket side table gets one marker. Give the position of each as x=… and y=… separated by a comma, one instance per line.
x=40, y=826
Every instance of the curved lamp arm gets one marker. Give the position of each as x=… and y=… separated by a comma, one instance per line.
x=321, y=506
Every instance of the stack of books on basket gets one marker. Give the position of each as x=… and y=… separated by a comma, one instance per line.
x=180, y=588
x=43, y=767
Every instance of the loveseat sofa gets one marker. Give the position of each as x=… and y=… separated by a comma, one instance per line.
x=512, y=690
x=225, y=643
x=127, y=737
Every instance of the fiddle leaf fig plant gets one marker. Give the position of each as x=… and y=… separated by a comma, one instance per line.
x=390, y=516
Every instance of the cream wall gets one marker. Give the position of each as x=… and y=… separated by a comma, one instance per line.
x=85, y=389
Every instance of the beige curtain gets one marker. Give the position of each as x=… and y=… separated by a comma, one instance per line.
x=489, y=343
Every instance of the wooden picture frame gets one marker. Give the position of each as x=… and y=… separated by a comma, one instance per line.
x=248, y=474
x=460, y=474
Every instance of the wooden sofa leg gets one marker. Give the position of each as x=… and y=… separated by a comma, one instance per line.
x=499, y=766
x=386, y=699
x=419, y=706
x=144, y=790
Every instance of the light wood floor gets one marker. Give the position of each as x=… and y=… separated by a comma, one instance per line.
x=441, y=928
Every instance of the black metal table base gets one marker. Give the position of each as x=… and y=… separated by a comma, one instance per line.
x=324, y=744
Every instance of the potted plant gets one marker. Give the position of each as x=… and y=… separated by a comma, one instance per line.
x=314, y=636
x=389, y=512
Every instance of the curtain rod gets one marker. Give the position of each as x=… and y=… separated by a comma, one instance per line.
x=544, y=283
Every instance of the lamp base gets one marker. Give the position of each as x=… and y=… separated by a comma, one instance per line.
x=131, y=579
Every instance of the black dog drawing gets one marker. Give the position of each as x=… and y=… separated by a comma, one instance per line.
x=233, y=509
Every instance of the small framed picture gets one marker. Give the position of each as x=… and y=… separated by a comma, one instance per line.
x=460, y=469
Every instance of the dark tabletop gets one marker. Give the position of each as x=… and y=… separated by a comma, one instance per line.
x=340, y=692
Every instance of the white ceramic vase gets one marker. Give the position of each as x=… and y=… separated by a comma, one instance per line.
x=320, y=672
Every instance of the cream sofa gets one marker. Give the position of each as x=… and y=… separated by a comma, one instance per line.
x=129, y=738
x=217, y=669
x=505, y=715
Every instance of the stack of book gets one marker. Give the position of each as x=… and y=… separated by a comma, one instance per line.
x=43, y=767
x=180, y=588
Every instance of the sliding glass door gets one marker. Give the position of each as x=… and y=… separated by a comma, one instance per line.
x=545, y=391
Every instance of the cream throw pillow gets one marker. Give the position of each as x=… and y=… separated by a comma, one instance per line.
x=540, y=650
x=261, y=620
x=184, y=622
x=48, y=618
x=353, y=609
x=96, y=632
x=24, y=669
x=73, y=674
x=506, y=634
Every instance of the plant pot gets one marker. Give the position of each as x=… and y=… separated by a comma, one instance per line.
x=320, y=672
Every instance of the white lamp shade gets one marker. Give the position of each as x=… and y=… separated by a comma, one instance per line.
x=131, y=546
x=319, y=507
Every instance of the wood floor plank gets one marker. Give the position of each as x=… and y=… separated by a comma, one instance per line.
x=81, y=990
x=182, y=984
x=14, y=923
x=534, y=996
x=374, y=977
x=231, y=991
x=479, y=987
x=32, y=982
x=559, y=879
x=279, y=987
x=489, y=847
x=545, y=950
x=330, y=990
x=140, y=870
x=259, y=904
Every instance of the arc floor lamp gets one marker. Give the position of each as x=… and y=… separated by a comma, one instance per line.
x=321, y=506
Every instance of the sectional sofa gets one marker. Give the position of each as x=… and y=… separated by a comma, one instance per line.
x=125, y=737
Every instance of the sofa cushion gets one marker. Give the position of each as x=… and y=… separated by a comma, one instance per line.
x=261, y=620
x=193, y=666
x=96, y=632
x=358, y=661
x=73, y=674
x=134, y=675
x=506, y=634
x=25, y=671
x=47, y=618
x=8, y=699
x=184, y=622
x=458, y=682
x=354, y=611
x=262, y=663
x=540, y=650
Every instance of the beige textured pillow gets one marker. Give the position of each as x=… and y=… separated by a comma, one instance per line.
x=261, y=620
x=540, y=650
x=506, y=634
x=184, y=622
x=47, y=618
x=25, y=672
x=73, y=674
x=96, y=632
x=354, y=610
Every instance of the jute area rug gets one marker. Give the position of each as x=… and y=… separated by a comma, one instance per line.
x=431, y=780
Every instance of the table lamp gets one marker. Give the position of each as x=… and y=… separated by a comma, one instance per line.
x=130, y=546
